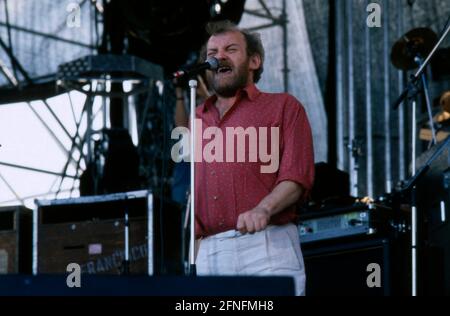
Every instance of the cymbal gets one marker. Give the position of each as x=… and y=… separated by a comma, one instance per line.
x=419, y=41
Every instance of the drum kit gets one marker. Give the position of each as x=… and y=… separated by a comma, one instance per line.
x=414, y=50
x=404, y=205
x=407, y=54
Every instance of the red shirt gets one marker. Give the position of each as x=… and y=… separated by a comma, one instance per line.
x=226, y=189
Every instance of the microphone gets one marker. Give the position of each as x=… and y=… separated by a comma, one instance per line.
x=211, y=63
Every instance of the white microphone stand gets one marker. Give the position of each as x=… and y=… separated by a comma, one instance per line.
x=193, y=103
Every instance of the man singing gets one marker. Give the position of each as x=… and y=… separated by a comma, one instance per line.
x=245, y=214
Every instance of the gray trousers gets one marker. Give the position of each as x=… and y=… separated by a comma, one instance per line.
x=274, y=251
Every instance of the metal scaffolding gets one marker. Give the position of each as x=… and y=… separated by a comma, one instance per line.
x=278, y=20
x=77, y=154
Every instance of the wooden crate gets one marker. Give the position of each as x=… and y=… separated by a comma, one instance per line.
x=15, y=239
x=89, y=231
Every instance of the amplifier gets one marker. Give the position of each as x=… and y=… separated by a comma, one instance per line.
x=339, y=245
x=359, y=219
x=15, y=239
x=337, y=268
x=90, y=231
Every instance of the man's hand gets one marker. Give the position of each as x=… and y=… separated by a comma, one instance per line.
x=283, y=195
x=254, y=220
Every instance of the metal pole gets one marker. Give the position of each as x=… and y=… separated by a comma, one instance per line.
x=413, y=209
x=150, y=250
x=429, y=110
x=285, y=48
x=275, y=20
x=8, y=31
x=33, y=196
x=8, y=74
x=387, y=113
x=46, y=35
x=351, y=102
x=50, y=131
x=57, y=119
x=126, y=263
x=12, y=190
x=401, y=113
x=431, y=54
x=266, y=9
x=193, y=90
x=59, y=174
x=73, y=111
x=74, y=146
x=88, y=133
x=15, y=62
x=339, y=85
x=369, y=142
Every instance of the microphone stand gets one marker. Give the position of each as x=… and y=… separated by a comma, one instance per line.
x=184, y=238
x=193, y=103
x=423, y=170
x=126, y=261
x=213, y=64
x=411, y=91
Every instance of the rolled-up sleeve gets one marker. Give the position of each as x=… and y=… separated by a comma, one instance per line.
x=296, y=148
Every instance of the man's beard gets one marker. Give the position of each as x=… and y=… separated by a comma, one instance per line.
x=228, y=86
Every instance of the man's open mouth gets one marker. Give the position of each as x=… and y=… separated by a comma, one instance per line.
x=224, y=69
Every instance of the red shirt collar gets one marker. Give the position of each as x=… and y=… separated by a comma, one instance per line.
x=250, y=90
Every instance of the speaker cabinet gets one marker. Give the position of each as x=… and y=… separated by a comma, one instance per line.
x=90, y=231
x=15, y=239
x=340, y=267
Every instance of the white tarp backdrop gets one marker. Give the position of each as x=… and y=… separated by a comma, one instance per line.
x=303, y=79
x=71, y=30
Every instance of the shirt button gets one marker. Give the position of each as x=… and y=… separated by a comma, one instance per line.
x=215, y=197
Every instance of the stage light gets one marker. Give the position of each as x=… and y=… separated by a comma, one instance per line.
x=217, y=8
